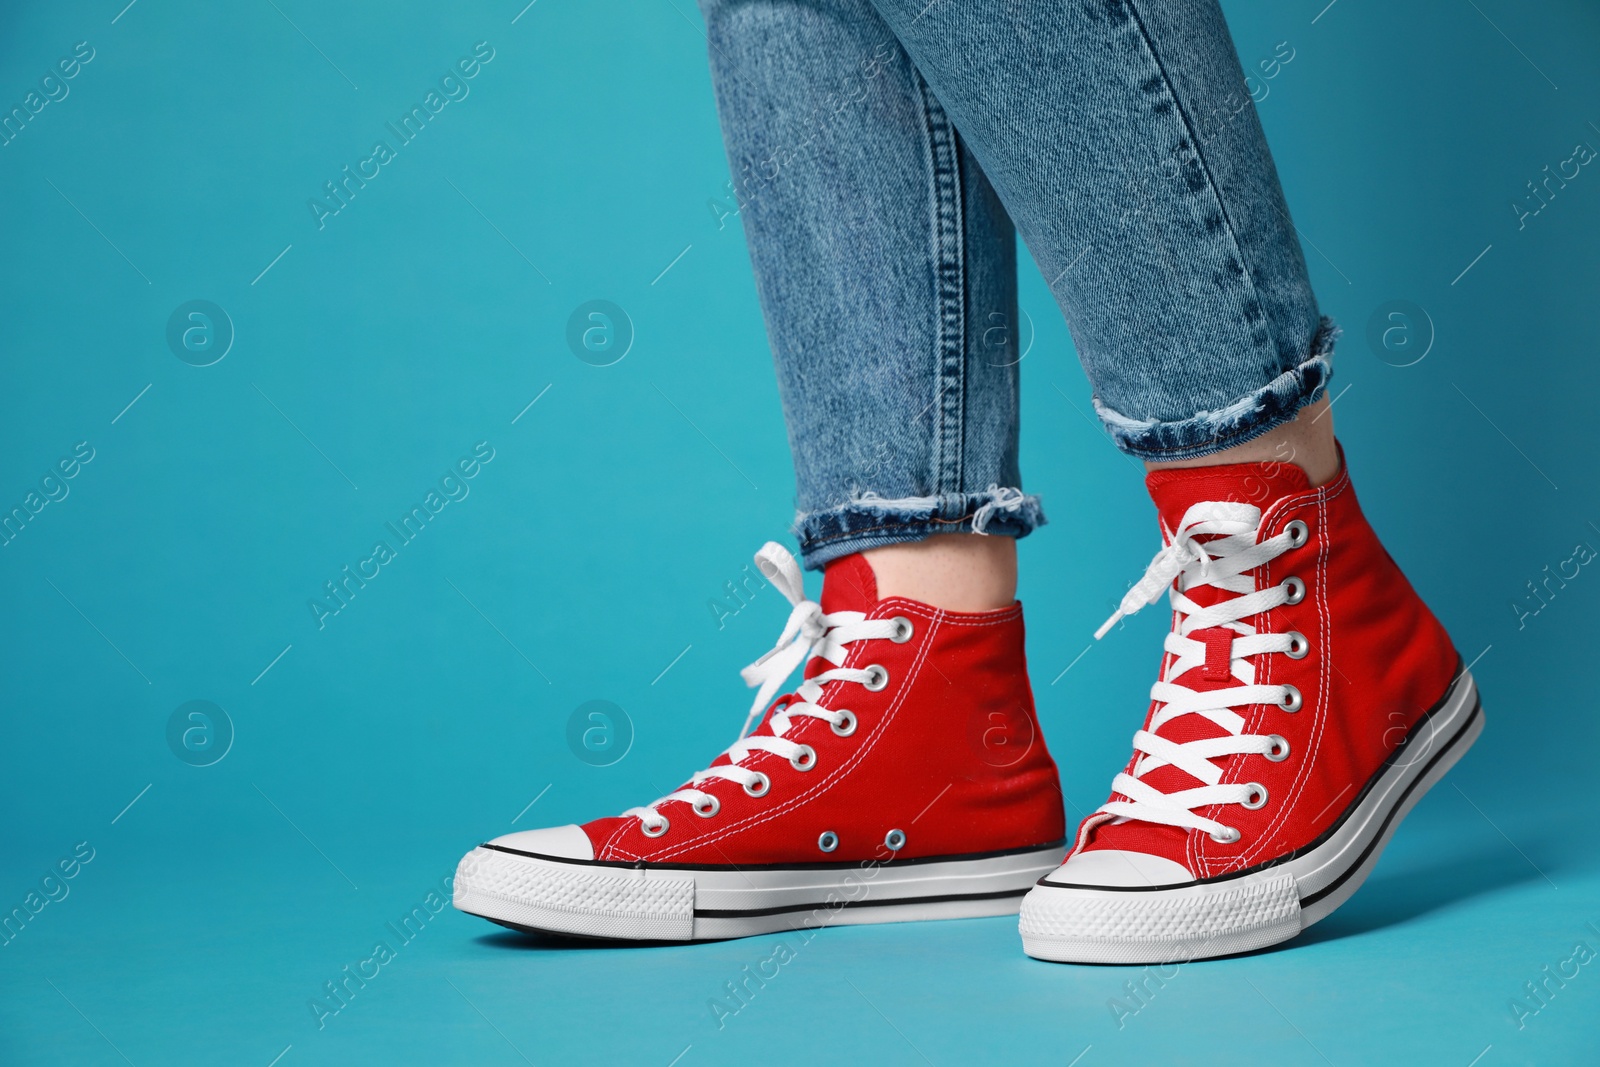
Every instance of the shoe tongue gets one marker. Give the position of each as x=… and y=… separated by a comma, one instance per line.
x=849, y=585
x=1175, y=490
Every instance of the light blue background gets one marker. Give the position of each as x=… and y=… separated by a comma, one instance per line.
x=429, y=313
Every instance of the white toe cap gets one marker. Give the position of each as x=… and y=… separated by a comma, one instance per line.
x=1116, y=868
x=562, y=842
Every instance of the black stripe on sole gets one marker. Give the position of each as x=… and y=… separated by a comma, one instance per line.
x=1327, y=835
x=839, y=905
x=1383, y=828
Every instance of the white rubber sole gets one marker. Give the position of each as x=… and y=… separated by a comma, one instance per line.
x=1264, y=905
x=676, y=903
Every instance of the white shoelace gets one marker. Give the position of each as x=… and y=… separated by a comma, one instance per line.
x=1223, y=562
x=809, y=633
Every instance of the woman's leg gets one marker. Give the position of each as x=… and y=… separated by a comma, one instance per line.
x=1121, y=138
x=886, y=269
x=1307, y=696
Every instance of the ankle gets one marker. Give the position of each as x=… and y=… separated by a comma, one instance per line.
x=1306, y=441
x=956, y=572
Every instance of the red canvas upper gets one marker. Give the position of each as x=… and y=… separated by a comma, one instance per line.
x=949, y=753
x=1378, y=661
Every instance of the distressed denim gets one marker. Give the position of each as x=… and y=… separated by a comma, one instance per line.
x=886, y=154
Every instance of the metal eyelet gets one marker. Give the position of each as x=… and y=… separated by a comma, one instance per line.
x=902, y=630
x=760, y=790
x=847, y=724
x=828, y=841
x=877, y=678
x=1257, y=797
x=706, y=812
x=894, y=840
x=1296, y=588
x=1298, y=533
x=805, y=759
x=1291, y=699
x=1228, y=836
x=1299, y=645
x=644, y=828
x=1279, y=750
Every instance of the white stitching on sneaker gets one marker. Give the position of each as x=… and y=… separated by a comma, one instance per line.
x=1307, y=768
x=1221, y=562
x=809, y=633
x=1305, y=765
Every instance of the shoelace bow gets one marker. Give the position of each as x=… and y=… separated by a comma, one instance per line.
x=809, y=633
x=1223, y=561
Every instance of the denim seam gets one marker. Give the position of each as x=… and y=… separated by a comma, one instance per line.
x=994, y=498
x=868, y=520
x=1254, y=309
x=1242, y=420
x=933, y=520
x=949, y=281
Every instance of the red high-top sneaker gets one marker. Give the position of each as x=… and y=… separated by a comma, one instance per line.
x=1307, y=700
x=904, y=779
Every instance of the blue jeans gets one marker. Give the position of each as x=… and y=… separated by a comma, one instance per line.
x=886, y=153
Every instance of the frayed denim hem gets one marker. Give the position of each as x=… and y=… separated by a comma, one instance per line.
x=1250, y=417
x=872, y=521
